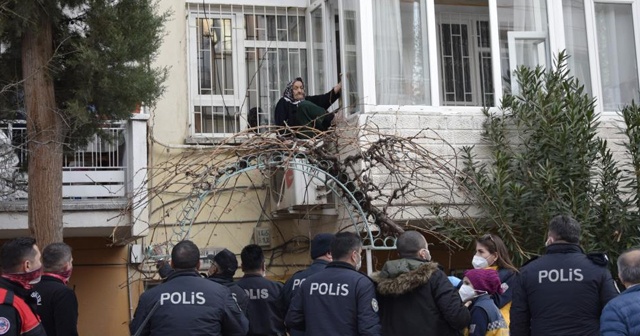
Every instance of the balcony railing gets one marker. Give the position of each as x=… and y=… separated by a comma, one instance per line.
x=96, y=171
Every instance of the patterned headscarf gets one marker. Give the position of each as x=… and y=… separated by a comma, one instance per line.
x=288, y=91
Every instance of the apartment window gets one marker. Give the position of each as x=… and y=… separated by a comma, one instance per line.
x=618, y=60
x=241, y=58
x=465, y=56
x=401, y=52
x=575, y=35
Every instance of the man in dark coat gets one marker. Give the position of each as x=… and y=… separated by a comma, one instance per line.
x=563, y=291
x=416, y=295
x=57, y=303
x=223, y=267
x=321, y=254
x=338, y=300
x=264, y=312
x=186, y=304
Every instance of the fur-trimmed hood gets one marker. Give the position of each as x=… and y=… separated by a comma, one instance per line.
x=403, y=275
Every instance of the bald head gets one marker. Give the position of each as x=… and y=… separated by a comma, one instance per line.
x=410, y=244
x=629, y=267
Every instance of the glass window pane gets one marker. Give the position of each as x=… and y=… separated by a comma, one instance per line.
x=402, y=70
x=352, y=79
x=318, y=46
x=617, y=55
x=575, y=35
x=464, y=53
x=515, y=17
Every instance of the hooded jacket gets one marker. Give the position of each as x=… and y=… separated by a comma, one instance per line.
x=417, y=298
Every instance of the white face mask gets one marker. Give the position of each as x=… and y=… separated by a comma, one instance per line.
x=466, y=293
x=359, y=263
x=479, y=262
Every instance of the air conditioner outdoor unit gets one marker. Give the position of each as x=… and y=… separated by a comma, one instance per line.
x=297, y=189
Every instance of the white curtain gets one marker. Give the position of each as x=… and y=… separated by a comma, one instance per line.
x=575, y=35
x=388, y=51
x=617, y=55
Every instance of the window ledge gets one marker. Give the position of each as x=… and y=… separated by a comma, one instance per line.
x=215, y=140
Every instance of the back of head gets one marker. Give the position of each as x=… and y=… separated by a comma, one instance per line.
x=629, y=266
x=343, y=244
x=15, y=252
x=565, y=228
x=252, y=258
x=227, y=263
x=410, y=243
x=321, y=244
x=55, y=257
x=484, y=279
x=185, y=255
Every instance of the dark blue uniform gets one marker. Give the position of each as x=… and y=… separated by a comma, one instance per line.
x=293, y=284
x=336, y=301
x=236, y=291
x=561, y=293
x=188, y=305
x=264, y=311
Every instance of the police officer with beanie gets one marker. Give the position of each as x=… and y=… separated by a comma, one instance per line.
x=321, y=255
x=337, y=300
x=223, y=267
x=186, y=304
x=563, y=291
x=264, y=312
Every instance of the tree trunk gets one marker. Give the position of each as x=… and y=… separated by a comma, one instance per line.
x=45, y=134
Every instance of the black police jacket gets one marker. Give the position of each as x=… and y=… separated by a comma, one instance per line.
x=57, y=306
x=293, y=284
x=264, y=313
x=236, y=291
x=335, y=301
x=188, y=305
x=561, y=293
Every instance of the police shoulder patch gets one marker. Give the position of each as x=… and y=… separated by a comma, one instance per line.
x=5, y=325
x=374, y=304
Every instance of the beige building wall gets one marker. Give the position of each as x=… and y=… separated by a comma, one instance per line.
x=101, y=284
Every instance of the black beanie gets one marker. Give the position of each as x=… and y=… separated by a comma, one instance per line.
x=321, y=244
x=227, y=263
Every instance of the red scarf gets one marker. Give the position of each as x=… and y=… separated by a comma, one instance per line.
x=62, y=276
x=26, y=280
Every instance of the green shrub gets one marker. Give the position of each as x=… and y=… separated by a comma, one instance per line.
x=546, y=158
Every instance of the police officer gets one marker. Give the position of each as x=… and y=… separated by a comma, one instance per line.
x=563, y=291
x=321, y=255
x=21, y=269
x=223, y=267
x=337, y=300
x=187, y=304
x=264, y=312
x=57, y=303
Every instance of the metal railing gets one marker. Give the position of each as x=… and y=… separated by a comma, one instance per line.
x=94, y=171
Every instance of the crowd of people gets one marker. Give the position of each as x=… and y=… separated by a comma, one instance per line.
x=565, y=291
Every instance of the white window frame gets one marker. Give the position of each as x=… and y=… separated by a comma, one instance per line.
x=197, y=99
x=515, y=36
x=470, y=19
x=328, y=9
x=592, y=42
x=236, y=12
